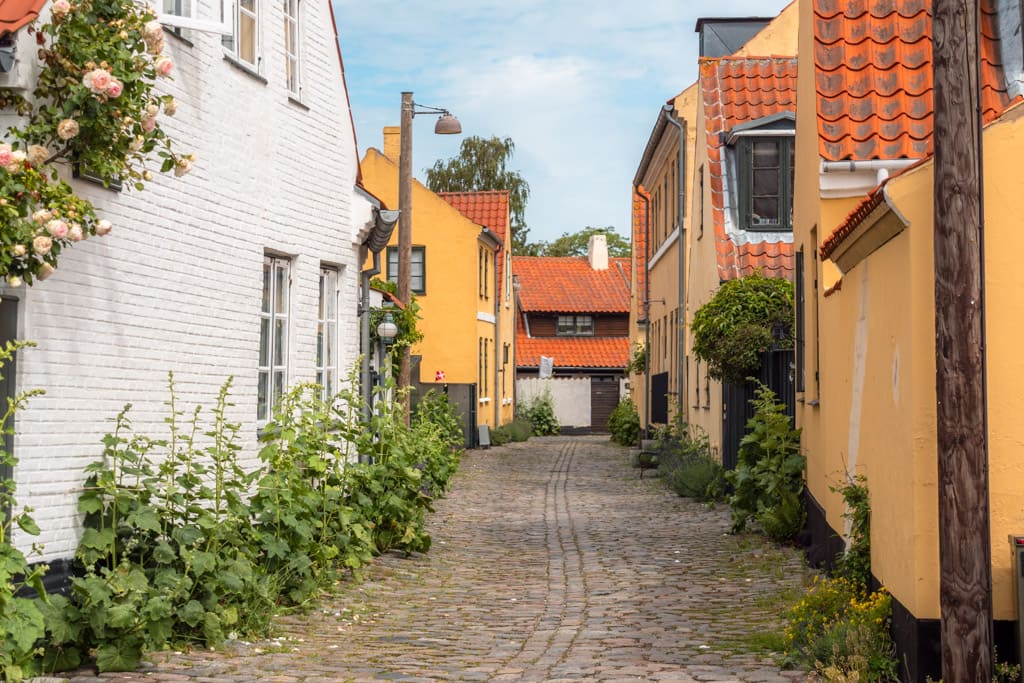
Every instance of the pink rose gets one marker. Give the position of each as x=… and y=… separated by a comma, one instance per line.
x=17, y=163
x=97, y=80
x=148, y=124
x=37, y=155
x=103, y=227
x=42, y=244
x=57, y=228
x=153, y=30
x=183, y=166
x=45, y=271
x=75, y=233
x=5, y=154
x=163, y=66
x=40, y=216
x=115, y=88
x=19, y=250
x=61, y=7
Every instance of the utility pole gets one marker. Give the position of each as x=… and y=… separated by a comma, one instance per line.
x=962, y=428
x=405, y=234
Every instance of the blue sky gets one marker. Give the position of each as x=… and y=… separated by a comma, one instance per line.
x=577, y=85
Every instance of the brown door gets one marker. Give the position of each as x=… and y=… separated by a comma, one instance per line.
x=604, y=396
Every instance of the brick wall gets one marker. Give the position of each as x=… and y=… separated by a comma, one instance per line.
x=177, y=284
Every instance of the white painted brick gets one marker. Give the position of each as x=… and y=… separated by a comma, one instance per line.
x=176, y=286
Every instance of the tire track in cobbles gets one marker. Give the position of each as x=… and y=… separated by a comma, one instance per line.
x=552, y=561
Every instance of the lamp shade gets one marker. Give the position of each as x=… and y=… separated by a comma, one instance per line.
x=447, y=125
x=387, y=329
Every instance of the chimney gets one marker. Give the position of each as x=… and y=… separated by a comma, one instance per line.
x=392, y=142
x=597, y=252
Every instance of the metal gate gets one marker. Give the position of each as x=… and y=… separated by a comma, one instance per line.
x=777, y=373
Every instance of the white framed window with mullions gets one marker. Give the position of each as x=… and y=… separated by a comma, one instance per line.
x=327, y=333
x=292, y=47
x=274, y=316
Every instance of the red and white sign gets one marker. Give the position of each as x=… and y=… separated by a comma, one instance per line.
x=439, y=376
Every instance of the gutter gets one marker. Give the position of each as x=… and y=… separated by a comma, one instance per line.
x=883, y=168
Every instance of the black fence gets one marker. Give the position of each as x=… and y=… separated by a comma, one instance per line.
x=777, y=374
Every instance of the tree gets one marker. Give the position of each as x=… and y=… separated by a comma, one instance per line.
x=576, y=244
x=481, y=166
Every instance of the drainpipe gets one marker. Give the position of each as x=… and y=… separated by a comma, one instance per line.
x=499, y=371
x=669, y=113
x=647, y=316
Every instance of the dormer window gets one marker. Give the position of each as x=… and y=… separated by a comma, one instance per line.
x=766, y=183
x=761, y=153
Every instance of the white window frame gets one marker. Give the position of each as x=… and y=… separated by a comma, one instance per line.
x=186, y=20
x=273, y=352
x=292, y=59
x=327, y=332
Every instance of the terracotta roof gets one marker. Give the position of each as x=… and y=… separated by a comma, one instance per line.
x=873, y=75
x=488, y=208
x=567, y=284
x=738, y=90
x=639, y=254
x=852, y=220
x=570, y=352
x=17, y=13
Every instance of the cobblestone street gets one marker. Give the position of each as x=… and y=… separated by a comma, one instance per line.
x=552, y=561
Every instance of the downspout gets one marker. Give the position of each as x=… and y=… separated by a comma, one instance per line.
x=647, y=316
x=668, y=112
x=499, y=371
x=383, y=225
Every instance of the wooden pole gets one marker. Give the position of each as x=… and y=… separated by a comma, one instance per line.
x=405, y=234
x=962, y=429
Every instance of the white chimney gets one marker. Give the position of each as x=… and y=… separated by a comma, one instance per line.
x=597, y=252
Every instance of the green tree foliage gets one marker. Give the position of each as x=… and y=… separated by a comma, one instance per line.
x=481, y=165
x=576, y=243
x=744, y=318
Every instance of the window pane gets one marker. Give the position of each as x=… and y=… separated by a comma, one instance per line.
x=584, y=324
x=329, y=343
x=320, y=311
x=320, y=378
x=766, y=182
x=331, y=292
x=766, y=211
x=279, y=342
x=261, y=397
x=246, y=36
x=392, y=264
x=278, y=386
x=264, y=342
x=328, y=384
x=766, y=154
x=281, y=288
x=267, y=266
x=566, y=324
x=320, y=345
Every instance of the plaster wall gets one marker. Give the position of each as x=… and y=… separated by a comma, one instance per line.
x=571, y=396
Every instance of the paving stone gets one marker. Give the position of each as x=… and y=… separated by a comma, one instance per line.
x=552, y=561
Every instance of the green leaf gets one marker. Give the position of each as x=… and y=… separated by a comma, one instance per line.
x=187, y=535
x=164, y=553
x=28, y=525
x=192, y=613
x=118, y=655
x=98, y=539
x=121, y=616
x=203, y=562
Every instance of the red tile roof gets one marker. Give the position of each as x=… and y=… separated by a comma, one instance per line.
x=567, y=284
x=873, y=75
x=737, y=90
x=489, y=208
x=640, y=255
x=17, y=13
x=570, y=352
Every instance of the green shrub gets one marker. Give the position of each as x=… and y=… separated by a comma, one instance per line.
x=624, y=423
x=434, y=407
x=768, y=480
x=501, y=436
x=842, y=629
x=855, y=562
x=686, y=465
x=540, y=412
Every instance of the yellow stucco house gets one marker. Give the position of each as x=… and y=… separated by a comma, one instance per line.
x=745, y=96
x=866, y=361
x=460, y=276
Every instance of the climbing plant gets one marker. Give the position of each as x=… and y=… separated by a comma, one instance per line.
x=745, y=317
x=93, y=108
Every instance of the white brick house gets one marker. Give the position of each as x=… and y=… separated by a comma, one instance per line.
x=178, y=284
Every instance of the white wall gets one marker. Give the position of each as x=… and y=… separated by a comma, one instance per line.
x=177, y=284
x=571, y=396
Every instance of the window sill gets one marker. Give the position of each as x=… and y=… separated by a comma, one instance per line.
x=247, y=69
x=292, y=99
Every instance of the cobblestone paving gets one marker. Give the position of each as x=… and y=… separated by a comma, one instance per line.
x=552, y=561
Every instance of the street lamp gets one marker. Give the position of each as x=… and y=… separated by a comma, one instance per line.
x=446, y=125
x=387, y=330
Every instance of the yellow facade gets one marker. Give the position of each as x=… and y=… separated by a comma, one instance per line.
x=870, y=343
x=462, y=322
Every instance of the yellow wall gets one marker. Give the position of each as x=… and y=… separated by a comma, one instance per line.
x=450, y=306
x=779, y=37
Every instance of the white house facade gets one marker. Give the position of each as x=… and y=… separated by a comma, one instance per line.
x=246, y=267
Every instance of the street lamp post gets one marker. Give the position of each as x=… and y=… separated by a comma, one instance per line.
x=446, y=125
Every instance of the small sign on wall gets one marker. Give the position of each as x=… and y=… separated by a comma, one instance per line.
x=547, y=367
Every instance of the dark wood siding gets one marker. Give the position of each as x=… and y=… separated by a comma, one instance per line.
x=604, y=396
x=545, y=325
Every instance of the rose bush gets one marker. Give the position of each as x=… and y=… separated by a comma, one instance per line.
x=94, y=105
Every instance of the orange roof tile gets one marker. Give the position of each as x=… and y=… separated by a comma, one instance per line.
x=17, y=13
x=737, y=90
x=489, y=208
x=873, y=75
x=573, y=352
x=567, y=284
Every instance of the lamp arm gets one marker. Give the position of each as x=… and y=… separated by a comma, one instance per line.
x=418, y=108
